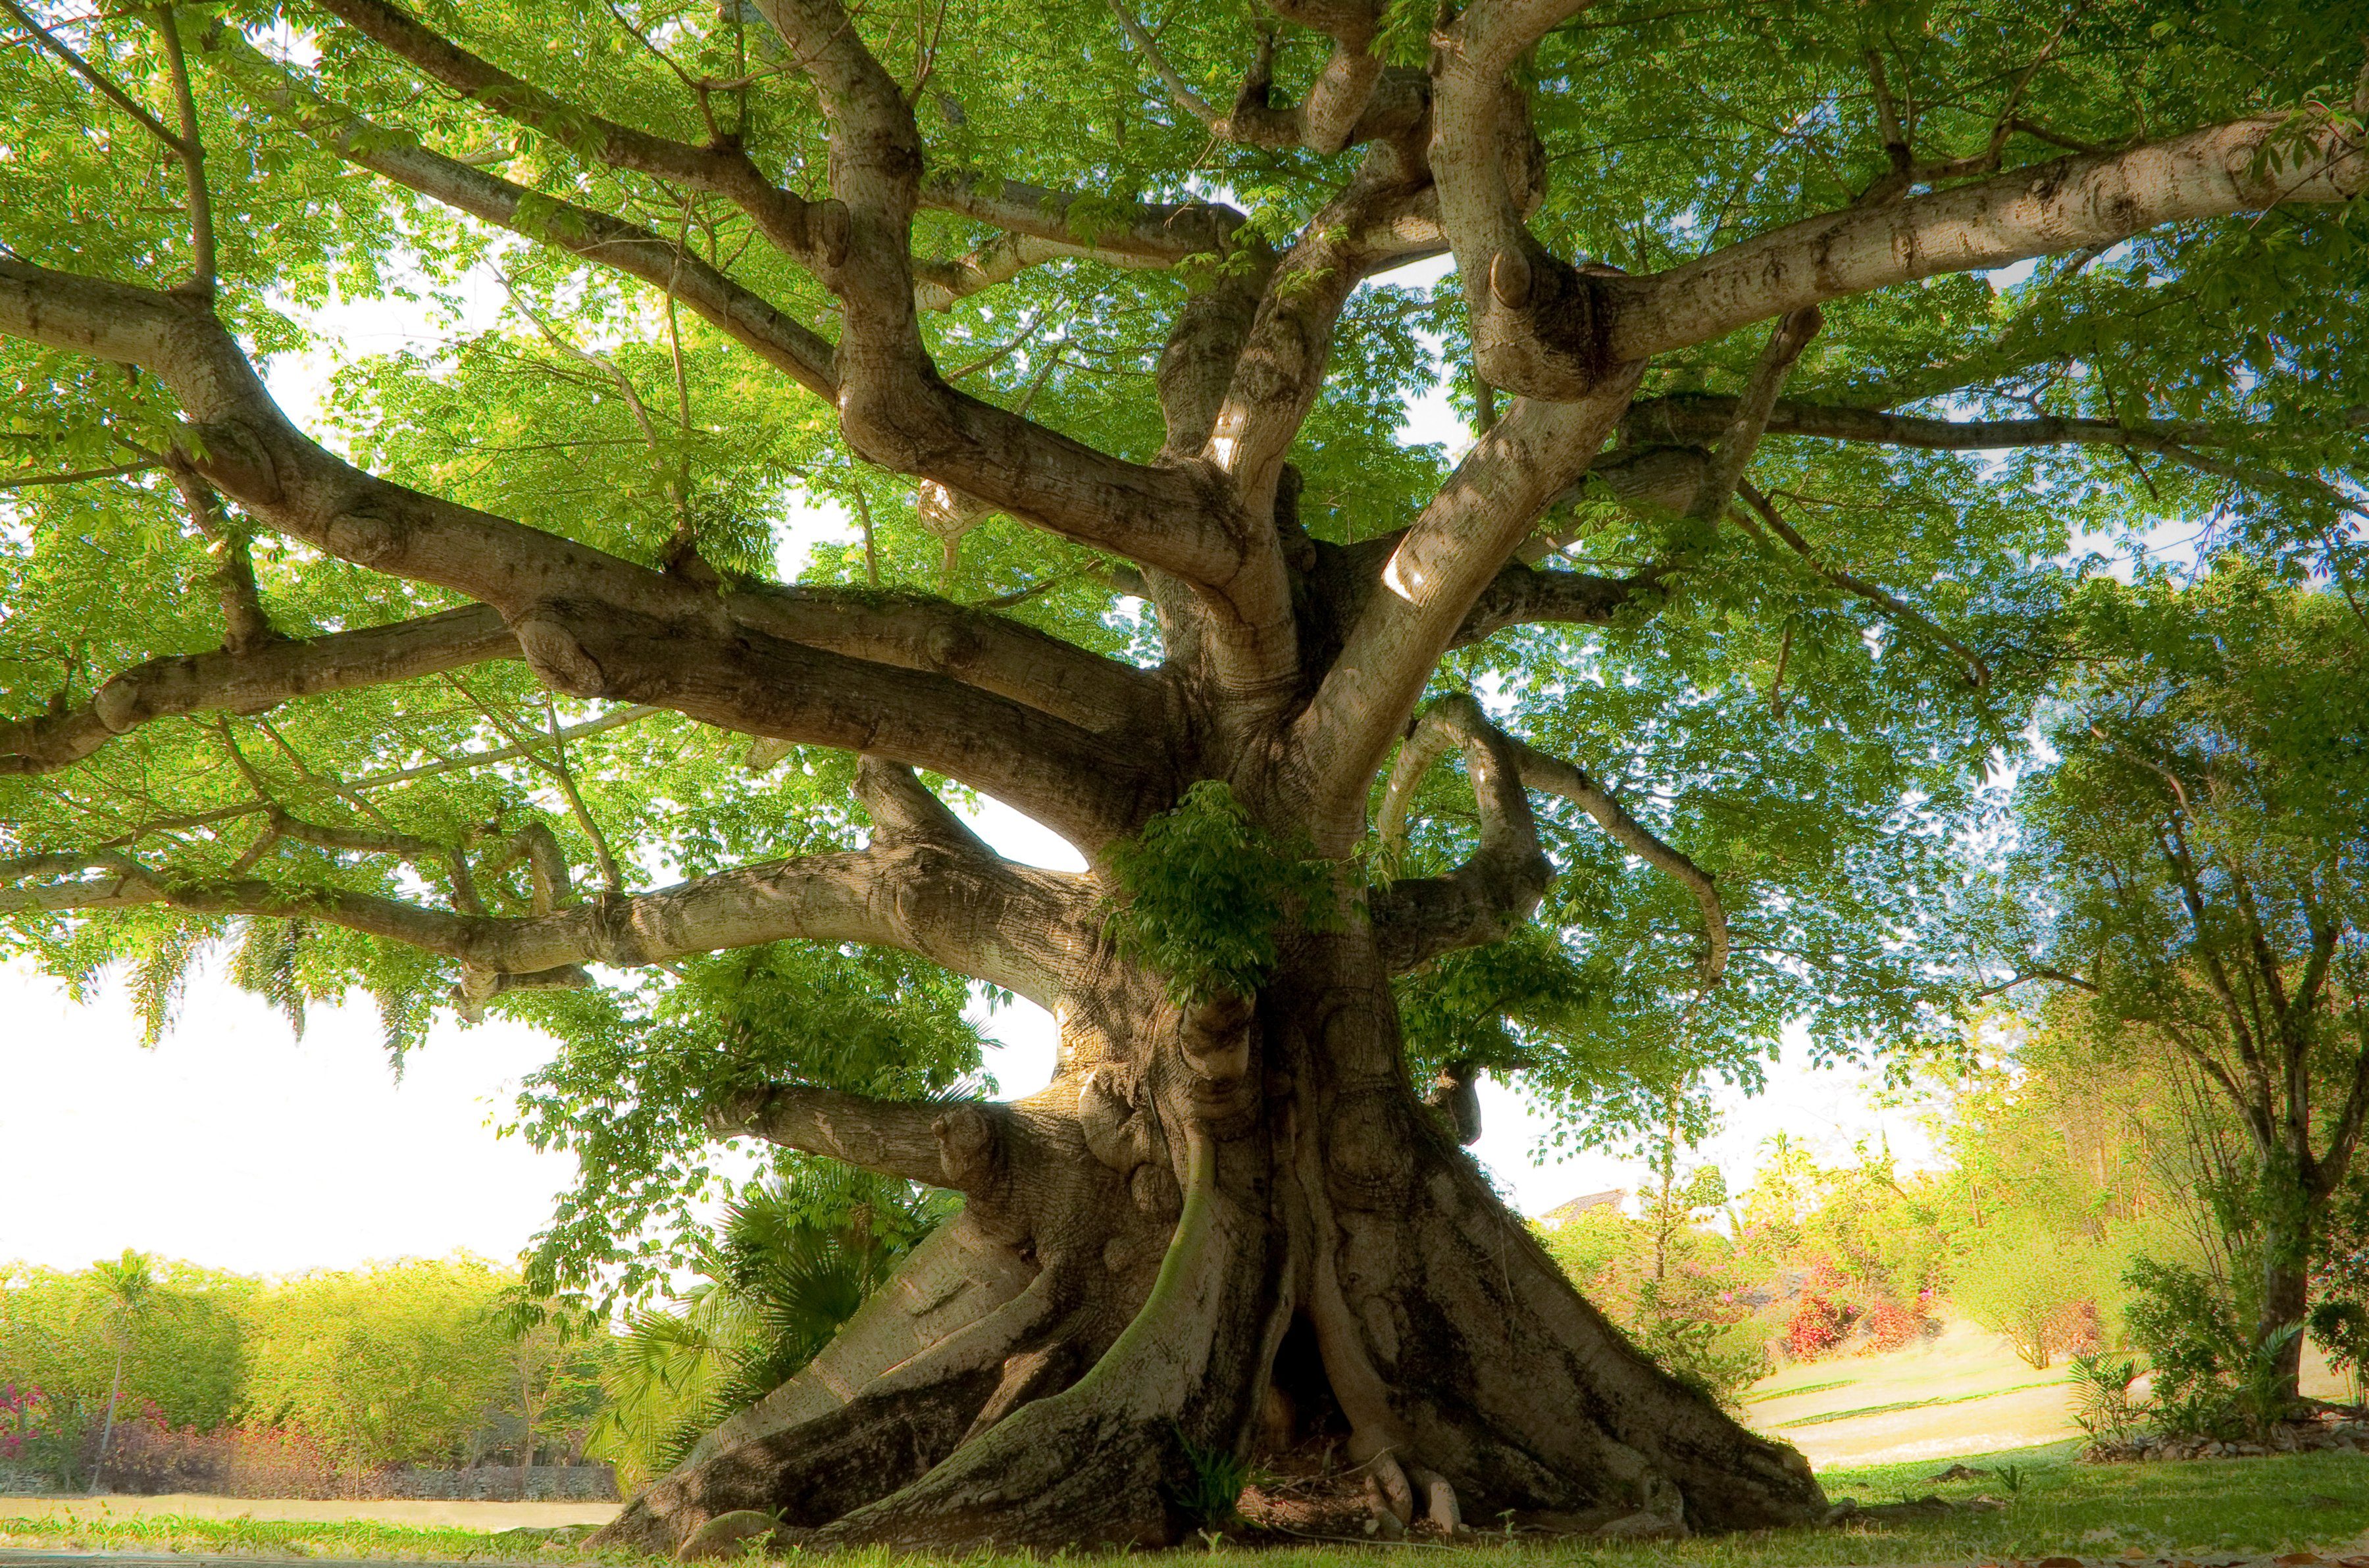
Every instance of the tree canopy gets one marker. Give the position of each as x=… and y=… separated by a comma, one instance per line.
x=1804, y=352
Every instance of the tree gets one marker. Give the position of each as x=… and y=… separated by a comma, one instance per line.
x=1169, y=582
x=2196, y=847
x=394, y=1364
x=130, y=1284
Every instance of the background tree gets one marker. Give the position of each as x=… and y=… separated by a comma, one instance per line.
x=2198, y=842
x=128, y=1284
x=395, y=1364
x=1109, y=373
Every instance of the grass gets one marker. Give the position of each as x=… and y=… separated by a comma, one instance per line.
x=1761, y=1395
x=1823, y=1417
x=2198, y=1511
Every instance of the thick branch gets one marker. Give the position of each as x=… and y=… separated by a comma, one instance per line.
x=956, y=1146
x=1537, y=324
x=1435, y=577
x=591, y=625
x=1750, y=418
x=999, y=922
x=1523, y=595
x=1485, y=900
x=254, y=680
x=2070, y=204
x=1276, y=374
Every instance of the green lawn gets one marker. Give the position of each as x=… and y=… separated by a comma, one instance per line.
x=2205, y=1511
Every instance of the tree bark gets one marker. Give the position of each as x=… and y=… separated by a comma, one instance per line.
x=1207, y=1204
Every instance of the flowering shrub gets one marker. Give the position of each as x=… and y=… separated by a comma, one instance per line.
x=1817, y=1325
x=151, y=1456
x=1891, y=1326
x=39, y=1433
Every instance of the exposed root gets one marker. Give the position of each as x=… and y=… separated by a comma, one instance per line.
x=1441, y=1510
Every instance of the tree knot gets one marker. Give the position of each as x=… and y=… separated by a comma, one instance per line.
x=558, y=659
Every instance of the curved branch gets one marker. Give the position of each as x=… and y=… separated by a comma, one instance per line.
x=2069, y=204
x=1485, y=900
x=808, y=233
x=1520, y=766
x=1537, y=324
x=1555, y=776
x=737, y=312
x=893, y=408
x=255, y=680
x=1522, y=595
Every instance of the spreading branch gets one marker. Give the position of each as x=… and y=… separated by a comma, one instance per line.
x=976, y=915
x=252, y=680
x=2070, y=204
x=588, y=623
x=1435, y=576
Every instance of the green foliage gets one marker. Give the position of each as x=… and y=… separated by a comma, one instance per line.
x=390, y=1364
x=2211, y=1375
x=1212, y=1485
x=60, y=1332
x=1206, y=891
x=2341, y=1329
x=792, y=1262
x=2103, y=1405
x=2039, y=1290
x=1673, y=1294
x=637, y=1070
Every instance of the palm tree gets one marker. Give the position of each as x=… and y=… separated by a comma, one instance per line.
x=129, y=1285
x=791, y=1263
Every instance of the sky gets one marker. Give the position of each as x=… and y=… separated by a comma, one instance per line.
x=235, y=1145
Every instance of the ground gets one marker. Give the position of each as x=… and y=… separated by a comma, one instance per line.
x=1878, y=1428
x=2203, y=1515
x=1961, y=1394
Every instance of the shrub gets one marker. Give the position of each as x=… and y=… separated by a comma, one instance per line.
x=2037, y=1290
x=394, y=1363
x=1818, y=1326
x=1891, y=1326
x=2103, y=1406
x=2211, y=1379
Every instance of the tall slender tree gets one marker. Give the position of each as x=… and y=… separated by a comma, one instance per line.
x=130, y=1284
x=1716, y=609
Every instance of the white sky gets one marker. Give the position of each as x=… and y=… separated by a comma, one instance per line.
x=232, y=1144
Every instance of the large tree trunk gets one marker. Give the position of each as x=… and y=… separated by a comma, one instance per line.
x=1192, y=1228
